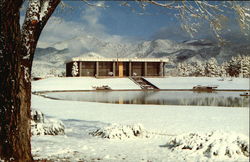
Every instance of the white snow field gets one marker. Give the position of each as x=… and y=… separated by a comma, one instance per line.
x=87, y=83
x=190, y=82
x=120, y=132
x=81, y=83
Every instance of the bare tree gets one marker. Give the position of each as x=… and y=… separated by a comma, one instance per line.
x=17, y=47
x=193, y=13
x=16, y=56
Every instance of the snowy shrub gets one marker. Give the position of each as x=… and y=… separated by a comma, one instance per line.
x=116, y=131
x=74, y=69
x=212, y=145
x=37, y=116
x=43, y=126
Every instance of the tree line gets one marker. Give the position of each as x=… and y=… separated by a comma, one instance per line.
x=238, y=66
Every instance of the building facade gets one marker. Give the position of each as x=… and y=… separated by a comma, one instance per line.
x=113, y=67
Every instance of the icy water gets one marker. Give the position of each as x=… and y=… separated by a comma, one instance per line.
x=226, y=99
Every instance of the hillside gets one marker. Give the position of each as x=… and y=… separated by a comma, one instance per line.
x=50, y=60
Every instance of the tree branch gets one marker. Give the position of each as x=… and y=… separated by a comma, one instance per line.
x=37, y=15
x=93, y=4
x=166, y=5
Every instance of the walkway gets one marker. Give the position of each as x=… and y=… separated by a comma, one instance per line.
x=143, y=83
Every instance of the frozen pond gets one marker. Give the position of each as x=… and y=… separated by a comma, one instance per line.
x=227, y=99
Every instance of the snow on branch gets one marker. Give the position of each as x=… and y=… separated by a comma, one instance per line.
x=38, y=9
x=33, y=10
x=37, y=14
x=166, y=5
x=44, y=9
x=191, y=13
x=99, y=4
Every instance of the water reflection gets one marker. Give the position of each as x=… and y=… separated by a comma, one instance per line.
x=228, y=99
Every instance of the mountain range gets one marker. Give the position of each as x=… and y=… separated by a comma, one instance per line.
x=50, y=60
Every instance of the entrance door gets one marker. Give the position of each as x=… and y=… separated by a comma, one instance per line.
x=120, y=67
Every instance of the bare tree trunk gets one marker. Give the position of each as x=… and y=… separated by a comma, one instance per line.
x=17, y=49
x=15, y=89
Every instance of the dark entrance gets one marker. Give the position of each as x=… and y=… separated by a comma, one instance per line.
x=153, y=69
x=105, y=68
x=137, y=68
x=88, y=69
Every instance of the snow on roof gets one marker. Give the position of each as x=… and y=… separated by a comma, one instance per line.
x=117, y=59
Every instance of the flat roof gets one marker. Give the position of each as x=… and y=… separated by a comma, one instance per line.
x=103, y=59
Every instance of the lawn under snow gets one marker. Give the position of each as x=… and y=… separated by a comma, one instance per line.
x=160, y=121
x=81, y=83
x=190, y=82
x=87, y=83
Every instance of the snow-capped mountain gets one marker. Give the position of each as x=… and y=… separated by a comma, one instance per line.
x=51, y=60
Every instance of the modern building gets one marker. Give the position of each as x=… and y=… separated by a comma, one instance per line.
x=115, y=67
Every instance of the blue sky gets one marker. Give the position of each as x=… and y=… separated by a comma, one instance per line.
x=121, y=20
x=121, y=23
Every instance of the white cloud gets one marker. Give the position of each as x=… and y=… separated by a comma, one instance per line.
x=58, y=29
x=91, y=16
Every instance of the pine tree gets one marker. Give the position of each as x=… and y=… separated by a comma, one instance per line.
x=183, y=69
x=223, y=70
x=199, y=69
x=211, y=68
x=245, y=66
x=234, y=66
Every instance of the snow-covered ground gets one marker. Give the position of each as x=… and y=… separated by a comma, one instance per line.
x=87, y=83
x=81, y=118
x=81, y=83
x=219, y=133
x=190, y=82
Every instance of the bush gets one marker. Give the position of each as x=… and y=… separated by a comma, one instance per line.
x=44, y=126
x=116, y=131
x=213, y=144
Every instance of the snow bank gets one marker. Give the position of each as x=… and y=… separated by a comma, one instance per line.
x=190, y=82
x=44, y=126
x=81, y=83
x=117, y=131
x=213, y=145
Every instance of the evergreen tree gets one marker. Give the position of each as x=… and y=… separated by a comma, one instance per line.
x=211, y=68
x=222, y=69
x=234, y=66
x=245, y=66
x=199, y=69
x=183, y=69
